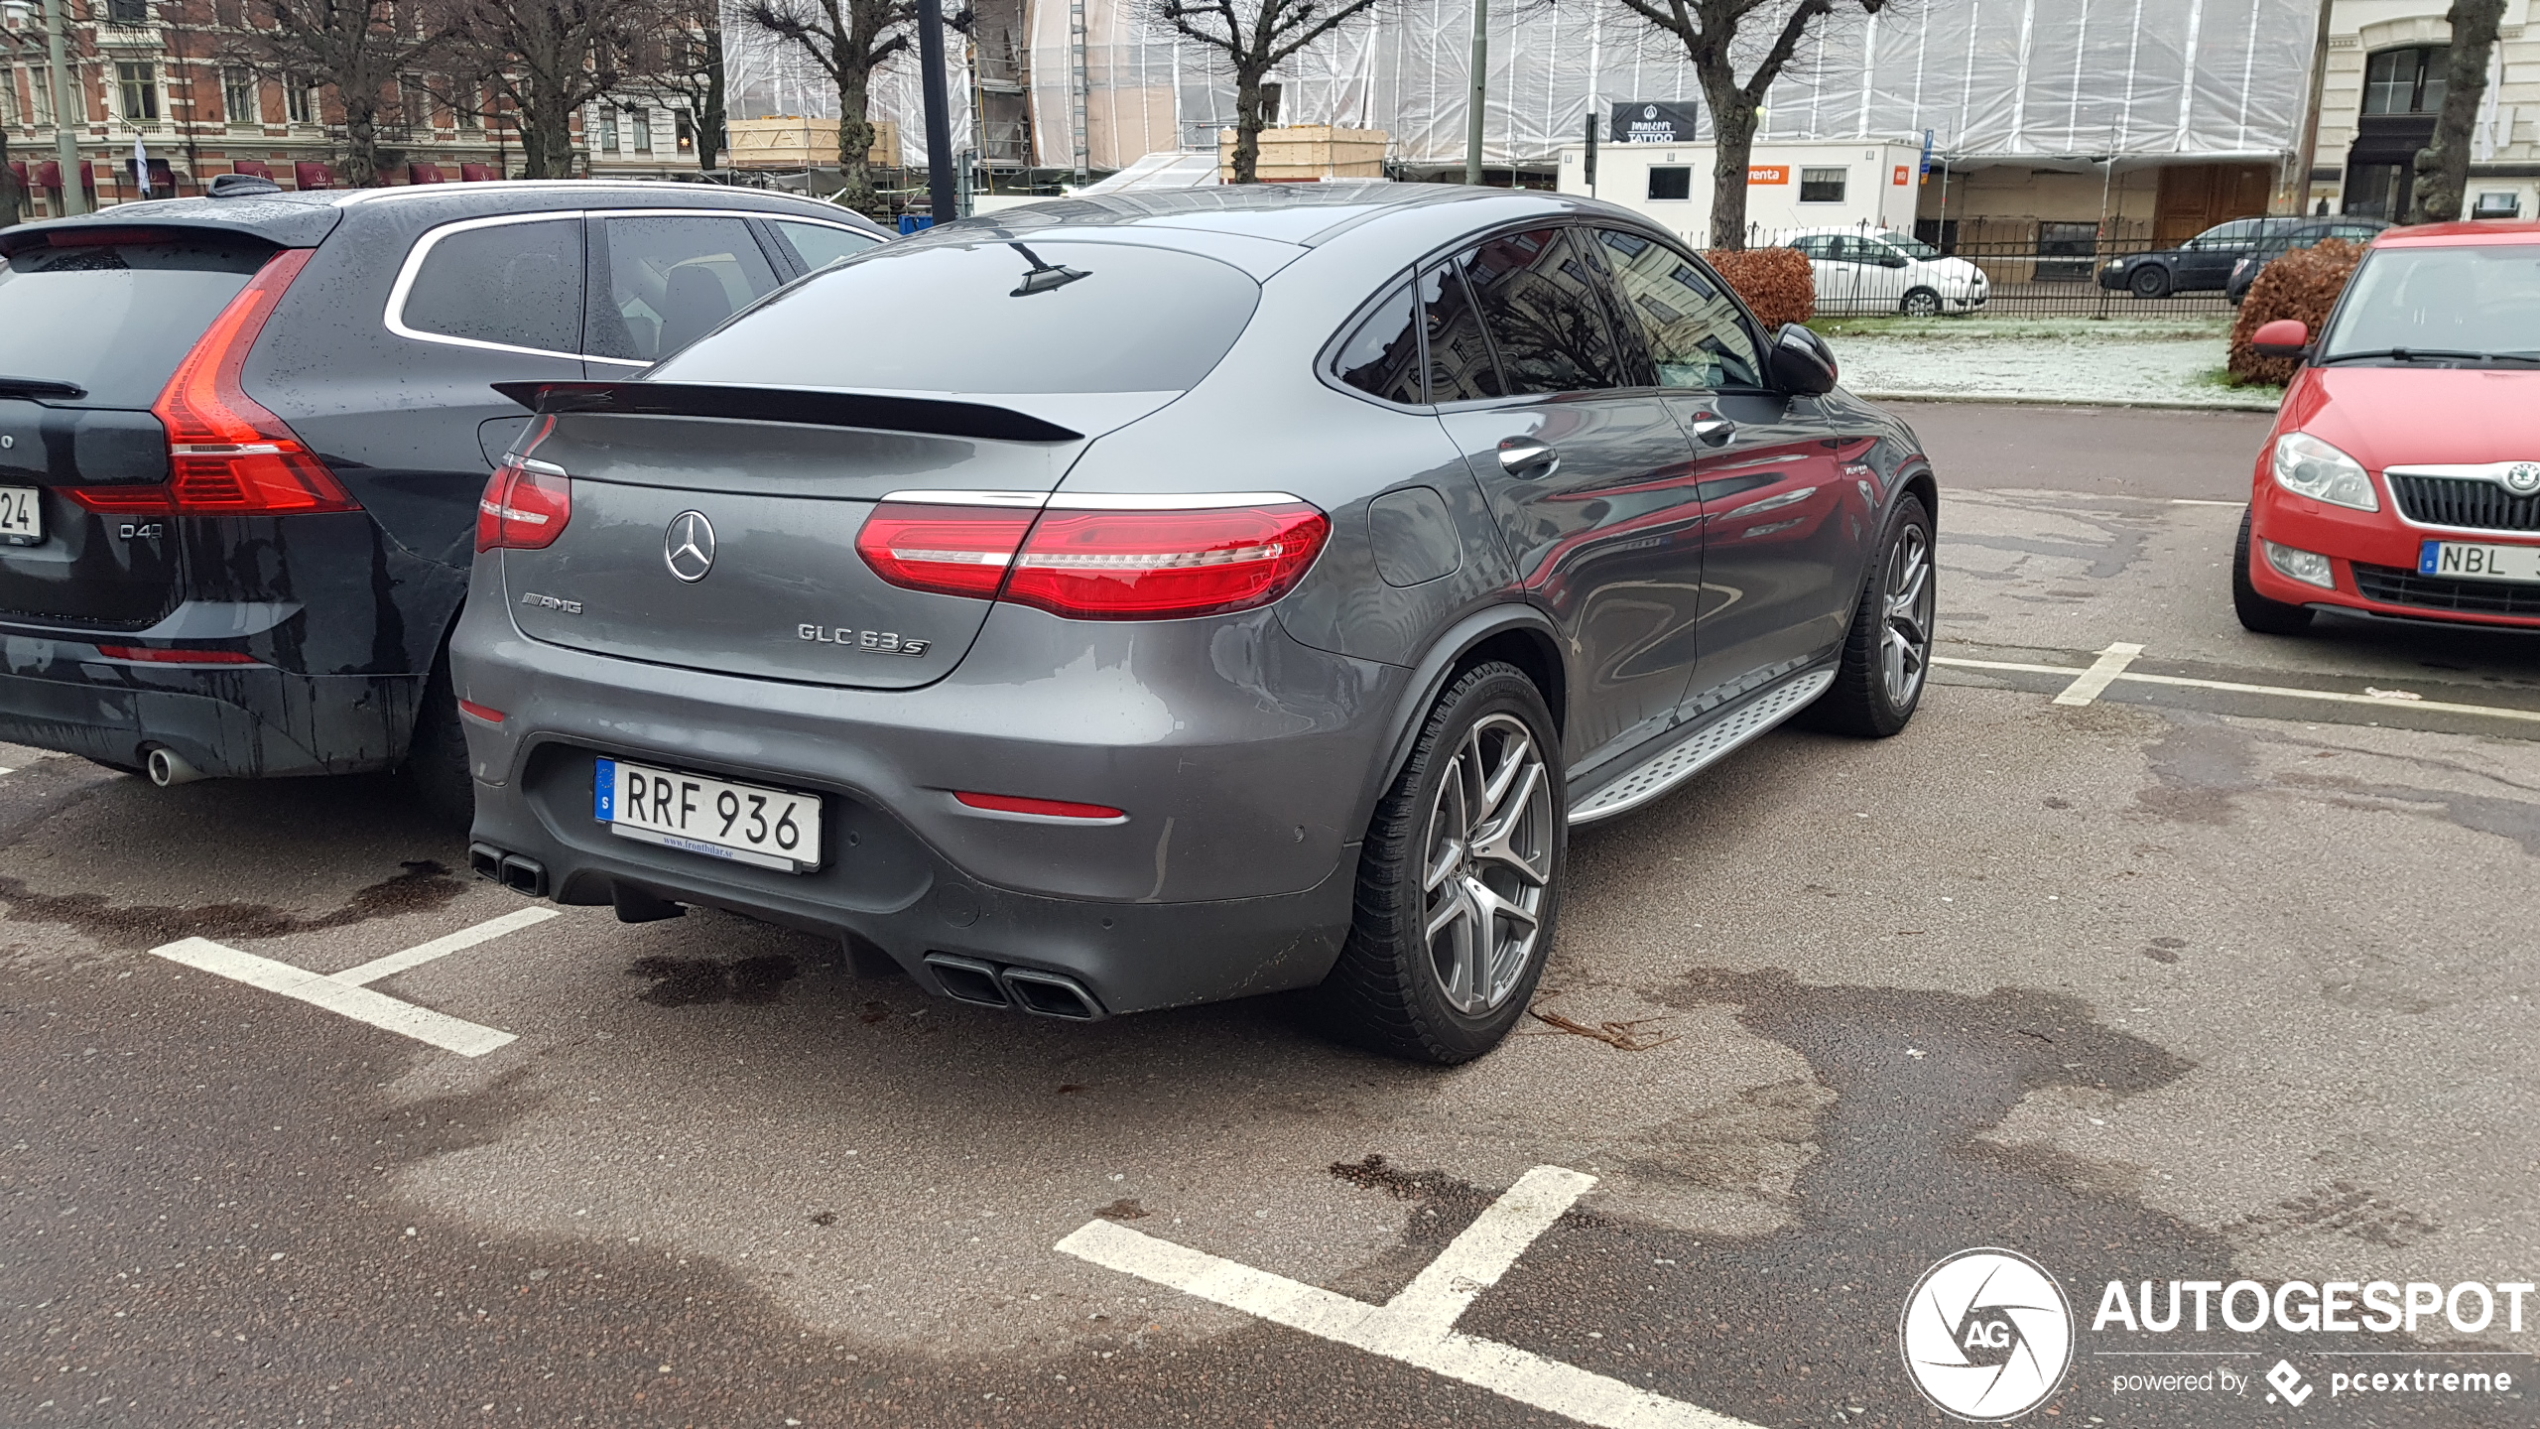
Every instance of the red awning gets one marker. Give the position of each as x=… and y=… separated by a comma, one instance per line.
x=49, y=175
x=17, y=170
x=476, y=173
x=310, y=174
x=253, y=168
x=424, y=174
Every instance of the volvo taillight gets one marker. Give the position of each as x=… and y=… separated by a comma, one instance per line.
x=227, y=455
x=1101, y=562
x=527, y=501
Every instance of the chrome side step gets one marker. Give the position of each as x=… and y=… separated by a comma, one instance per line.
x=1706, y=745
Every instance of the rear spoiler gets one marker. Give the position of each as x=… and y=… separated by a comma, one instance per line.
x=932, y=415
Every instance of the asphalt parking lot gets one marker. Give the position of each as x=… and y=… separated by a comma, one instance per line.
x=2153, y=949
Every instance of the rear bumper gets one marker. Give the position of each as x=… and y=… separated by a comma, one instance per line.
x=2373, y=558
x=229, y=722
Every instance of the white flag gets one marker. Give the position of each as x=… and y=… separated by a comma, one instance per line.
x=140, y=166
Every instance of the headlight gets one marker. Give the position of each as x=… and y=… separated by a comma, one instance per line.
x=2307, y=466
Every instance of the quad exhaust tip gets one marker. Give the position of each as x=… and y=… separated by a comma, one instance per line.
x=167, y=768
x=1043, y=994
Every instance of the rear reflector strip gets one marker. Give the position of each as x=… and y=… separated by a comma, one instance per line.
x=152, y=655
x=487, y=713
x=1046, y=808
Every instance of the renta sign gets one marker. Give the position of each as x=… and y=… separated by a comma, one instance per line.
x=1654, y=121
x=1767, y=174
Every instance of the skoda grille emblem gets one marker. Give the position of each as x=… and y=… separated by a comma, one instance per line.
x=2523, y=477
x=688, y=546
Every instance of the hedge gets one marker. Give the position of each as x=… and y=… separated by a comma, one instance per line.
x=2302, y=284
x=1776, y=282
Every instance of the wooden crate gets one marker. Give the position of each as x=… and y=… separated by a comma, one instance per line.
x=1296, y=152
x=793, y=141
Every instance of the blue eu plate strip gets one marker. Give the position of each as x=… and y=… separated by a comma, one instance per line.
x=604, y=790
x=2429, y=557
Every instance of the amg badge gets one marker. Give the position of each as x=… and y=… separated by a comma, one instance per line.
x=551, y=602
x=871, y=642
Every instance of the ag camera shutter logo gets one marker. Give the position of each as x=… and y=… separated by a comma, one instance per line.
x=1987, y=1334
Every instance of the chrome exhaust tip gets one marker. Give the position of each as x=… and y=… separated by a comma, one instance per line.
x=1050, y=995
x=168, y=768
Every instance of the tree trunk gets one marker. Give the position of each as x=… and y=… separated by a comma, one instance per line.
x=855, y=143
x=361, y=142
x=546, y=134
x=8, y=184
x=2443, y=166
x=708, y=117
x=1249, y=123
x=1733, y=143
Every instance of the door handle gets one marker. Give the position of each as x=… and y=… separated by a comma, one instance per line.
x=1713, y=431
x=1528, y=459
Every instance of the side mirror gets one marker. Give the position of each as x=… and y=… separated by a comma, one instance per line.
x=2285, y=337
x=1800, y=363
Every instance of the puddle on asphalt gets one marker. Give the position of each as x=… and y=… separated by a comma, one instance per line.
x=688, y=982
x=423, y=886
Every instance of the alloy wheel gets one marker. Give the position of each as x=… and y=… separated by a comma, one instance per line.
x=1905, y=643
x=1922, y=303
x=1488, y=864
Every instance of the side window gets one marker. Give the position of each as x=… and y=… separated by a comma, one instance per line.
x=1816, y=245
x=516, y=284
x=1382, y=358
x=658, y=284
x=1693, y=330
x=1538, y=299
x=818, y=245
x=1460, y=363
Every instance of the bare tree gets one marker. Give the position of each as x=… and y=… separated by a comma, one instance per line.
x=1255, y=36
x=848, y=39
x=2443, y=166
x=684, y=58
x=1711, y=31
x=356, y=48
x=550, y=58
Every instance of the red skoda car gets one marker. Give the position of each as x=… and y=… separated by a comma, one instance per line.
x=2403, y=475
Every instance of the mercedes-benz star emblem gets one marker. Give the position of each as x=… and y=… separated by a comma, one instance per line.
x=2523, y=477
x=688, y=546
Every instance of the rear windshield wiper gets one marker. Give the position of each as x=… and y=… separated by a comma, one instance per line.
x=2433, y=354
x=39, y=387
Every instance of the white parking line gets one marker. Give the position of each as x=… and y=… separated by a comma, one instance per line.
x=2094, y=681
x=1417, y=1326
x=2234, y=687
x=347, y=993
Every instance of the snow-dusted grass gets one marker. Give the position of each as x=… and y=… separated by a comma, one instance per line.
x=2165, y=361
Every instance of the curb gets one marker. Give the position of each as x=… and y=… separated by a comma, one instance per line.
x=1989, y=399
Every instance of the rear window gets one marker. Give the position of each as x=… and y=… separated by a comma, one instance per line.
x=116, y=318
x=987, y=317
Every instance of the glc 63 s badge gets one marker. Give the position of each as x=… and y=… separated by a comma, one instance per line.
x=871, y=642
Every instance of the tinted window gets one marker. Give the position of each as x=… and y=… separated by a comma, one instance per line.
x=662, y=283
x=1460, y=364
x=518, y=284
x=953, y=316
x=1382, y=357
x=1539, y=301
x=1668, y=183
x=1693, y=331
x=115, y=320
x=820, y=244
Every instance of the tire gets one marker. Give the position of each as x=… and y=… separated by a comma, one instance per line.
x=436, y=767
x=1887, y=653
x=2150, y=281
x=1388, y=992
x=2258, y=613
x=1920, y=303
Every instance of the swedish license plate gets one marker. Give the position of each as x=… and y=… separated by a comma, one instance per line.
x=745, y=823
x=21, y=516
x=2477, y=561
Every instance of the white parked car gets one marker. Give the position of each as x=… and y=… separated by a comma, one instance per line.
x=1884, y=271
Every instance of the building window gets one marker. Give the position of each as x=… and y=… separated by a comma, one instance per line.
x=606, y=122
x=297, y=99
x=686, y=129
x=2408, y=81
x=238, y=97
x=140, y=85
x=39, y=83
x=128, y=12
x=2498, y=204
x=1821, y=185
x=1670, y=182
x=470, y=117
x=641, y=121
x=414, y=102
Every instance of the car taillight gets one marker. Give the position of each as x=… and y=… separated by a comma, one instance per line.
x=527, y=503
x=950, y=550
x=227, y=455
x=1158, y=565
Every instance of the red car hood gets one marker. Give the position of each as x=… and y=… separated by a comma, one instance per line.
x=2404, y=416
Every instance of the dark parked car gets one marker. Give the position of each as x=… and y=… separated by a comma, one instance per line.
x=2307, y=235
x=243, y=438
x=1295, y=566
x=2202, y=264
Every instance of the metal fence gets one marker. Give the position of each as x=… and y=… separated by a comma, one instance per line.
x=2033, y=269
